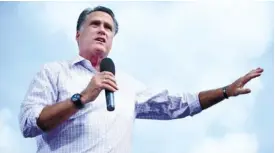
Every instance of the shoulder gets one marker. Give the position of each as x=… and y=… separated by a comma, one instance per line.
x=55, y=66
x=53, y=69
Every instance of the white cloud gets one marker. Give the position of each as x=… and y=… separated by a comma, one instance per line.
x=230, y=143
x=5, y=115
x=11, y=140
x=8, y=138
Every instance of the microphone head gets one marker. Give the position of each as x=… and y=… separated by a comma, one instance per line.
x=107, y=64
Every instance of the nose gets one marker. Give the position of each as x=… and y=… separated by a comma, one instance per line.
x=101, y=30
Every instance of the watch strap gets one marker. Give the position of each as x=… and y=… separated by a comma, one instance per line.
x=224, y=89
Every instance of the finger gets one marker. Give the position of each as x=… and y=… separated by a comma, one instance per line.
x=110, y=83
x=106, y=73
x=108, y=87
x=107, y=77
x=251, y=76
x=258, y=70
x=254, y=75
x=243, y=91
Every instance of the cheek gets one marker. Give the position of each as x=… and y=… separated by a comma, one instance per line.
x=110, y=42
x=87, y=41
x=87, y=35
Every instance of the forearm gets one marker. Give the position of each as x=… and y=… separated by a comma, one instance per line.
x=165, y=105
x=210, y=97
x=54, y=115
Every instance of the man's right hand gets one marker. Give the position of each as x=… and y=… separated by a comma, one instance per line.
x=100, y=81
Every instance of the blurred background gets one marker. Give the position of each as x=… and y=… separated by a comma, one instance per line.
x=185, y=46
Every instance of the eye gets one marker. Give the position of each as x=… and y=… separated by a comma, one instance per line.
x=95, y=23
x=109, y=27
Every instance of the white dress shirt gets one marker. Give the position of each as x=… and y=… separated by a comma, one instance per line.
x=93, y=129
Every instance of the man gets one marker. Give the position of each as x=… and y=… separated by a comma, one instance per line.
x=65, y=107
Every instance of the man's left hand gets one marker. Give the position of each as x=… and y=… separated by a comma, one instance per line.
x=237, y=87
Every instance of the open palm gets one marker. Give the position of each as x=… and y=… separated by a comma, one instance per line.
x=237, y=87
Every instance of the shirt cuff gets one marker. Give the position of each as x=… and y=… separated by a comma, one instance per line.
x=194, y=105
x=36, y=113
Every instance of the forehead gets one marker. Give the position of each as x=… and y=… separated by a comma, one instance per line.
x=101, y=16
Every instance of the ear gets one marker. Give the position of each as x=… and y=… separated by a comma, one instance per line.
x=77, y=36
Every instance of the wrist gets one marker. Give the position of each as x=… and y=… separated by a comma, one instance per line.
x=76, y=100
x=225, y=92
x=84, y=98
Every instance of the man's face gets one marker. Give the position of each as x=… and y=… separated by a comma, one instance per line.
x=95, y=37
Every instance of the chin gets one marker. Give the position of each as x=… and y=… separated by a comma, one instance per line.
x=99, y=51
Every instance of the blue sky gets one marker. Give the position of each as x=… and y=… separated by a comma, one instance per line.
x=185, y=46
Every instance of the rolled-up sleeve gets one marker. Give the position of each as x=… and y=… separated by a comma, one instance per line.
x=164, y=105
x=42, y=92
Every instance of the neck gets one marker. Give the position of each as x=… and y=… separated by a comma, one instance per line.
x=94, y=59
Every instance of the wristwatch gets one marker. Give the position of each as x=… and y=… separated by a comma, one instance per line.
x=76, y=99
x=224, y=90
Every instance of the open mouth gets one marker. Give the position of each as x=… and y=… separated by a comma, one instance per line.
x=102, y=40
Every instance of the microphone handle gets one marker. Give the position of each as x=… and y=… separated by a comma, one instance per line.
x=110, y=100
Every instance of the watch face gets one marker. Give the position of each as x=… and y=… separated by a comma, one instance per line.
x=76, y=97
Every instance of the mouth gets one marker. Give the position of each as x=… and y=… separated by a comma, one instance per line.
x=100, y=40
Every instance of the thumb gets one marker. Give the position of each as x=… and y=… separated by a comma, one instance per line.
x=243, y=91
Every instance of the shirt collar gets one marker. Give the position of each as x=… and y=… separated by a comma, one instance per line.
x=77, y=59
x=82, y=61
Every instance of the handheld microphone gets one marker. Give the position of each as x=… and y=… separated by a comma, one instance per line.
x=108, y=65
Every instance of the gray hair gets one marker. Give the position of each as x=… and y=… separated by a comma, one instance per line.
x=83, y=15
